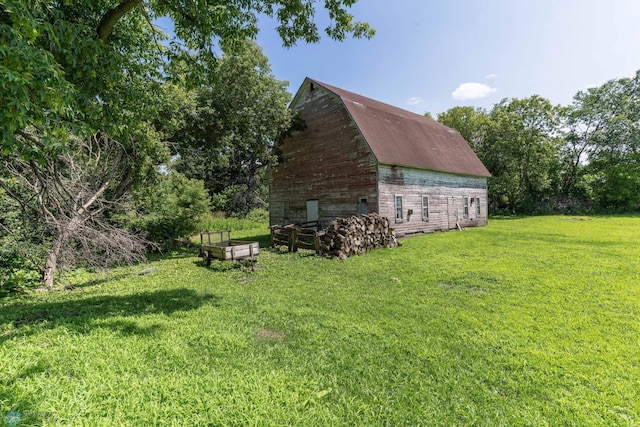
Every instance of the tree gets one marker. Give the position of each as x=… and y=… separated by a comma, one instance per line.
x=518, y=142
x=523, y=139
x=228, y=137
x=73, y=194
x=470, y=122
x=79, y=74
x=603, y=144
x=90, y=66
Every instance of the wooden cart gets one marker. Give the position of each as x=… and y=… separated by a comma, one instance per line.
x=218, y=245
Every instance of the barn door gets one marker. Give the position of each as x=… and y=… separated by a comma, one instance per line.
x=312, y=210
x=452, y=212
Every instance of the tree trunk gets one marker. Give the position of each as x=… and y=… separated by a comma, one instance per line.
x=51, y=264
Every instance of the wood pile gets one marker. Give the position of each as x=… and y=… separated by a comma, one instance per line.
x=356, y=235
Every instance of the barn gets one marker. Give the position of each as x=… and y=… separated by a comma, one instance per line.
x=357, y=156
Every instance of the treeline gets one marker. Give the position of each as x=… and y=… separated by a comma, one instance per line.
x=546, y=158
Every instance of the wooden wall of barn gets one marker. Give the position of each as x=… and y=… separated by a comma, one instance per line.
x=328, y=161
x=446, y=194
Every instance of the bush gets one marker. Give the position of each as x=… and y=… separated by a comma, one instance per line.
x=18, y=266
x=171, y=209
x=21, y=248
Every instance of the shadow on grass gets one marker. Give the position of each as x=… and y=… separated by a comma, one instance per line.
x=70, y=284
x=174, y=253
x=79, y=314
x=264, y=240
x=220, y=266
x=24, y=410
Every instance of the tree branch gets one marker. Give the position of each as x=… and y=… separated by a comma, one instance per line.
x=111, y=17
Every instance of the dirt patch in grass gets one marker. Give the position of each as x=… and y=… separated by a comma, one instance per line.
x=269, y=335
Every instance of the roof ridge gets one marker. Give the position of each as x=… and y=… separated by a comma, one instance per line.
x=371, y=101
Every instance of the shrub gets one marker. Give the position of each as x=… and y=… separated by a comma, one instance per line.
x=21, y=248
x=18, y=265
x=171, y=209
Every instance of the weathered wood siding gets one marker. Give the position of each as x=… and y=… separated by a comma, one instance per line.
x=446, y=194
x=329, y=161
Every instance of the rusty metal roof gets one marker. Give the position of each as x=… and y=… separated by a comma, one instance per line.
x=402, y=138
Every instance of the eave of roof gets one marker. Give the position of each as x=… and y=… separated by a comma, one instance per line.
x=402, y=138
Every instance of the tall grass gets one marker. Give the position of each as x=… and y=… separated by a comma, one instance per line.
x=258, y=218
x=531, y=321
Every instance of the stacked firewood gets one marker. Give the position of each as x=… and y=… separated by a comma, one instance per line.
x=356, y=235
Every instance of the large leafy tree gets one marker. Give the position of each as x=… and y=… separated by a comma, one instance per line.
x=563, y=158
x=518, y=142
x=228, y=135
x=76, y=73
x=470, y=122
x=523, y=140
x=603, y=144
x=95, y=65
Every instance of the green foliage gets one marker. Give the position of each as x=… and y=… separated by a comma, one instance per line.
x=60, y=78
x=469, y=121
x=521, y=137
x=518, y=143
x=619, y=186
x=525, y=322
x=83, y=66
x=171, y=209
x=20, y=248
x=19, y=265
x=603, y=139
x=546, y=158
x=228, y=135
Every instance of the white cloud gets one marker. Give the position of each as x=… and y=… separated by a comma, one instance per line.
x=472, y=90
x=414, y=101
x=491, y=76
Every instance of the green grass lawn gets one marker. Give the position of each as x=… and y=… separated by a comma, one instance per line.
x=532, y=321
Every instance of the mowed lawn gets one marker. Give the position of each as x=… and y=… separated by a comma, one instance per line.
x=532, y=321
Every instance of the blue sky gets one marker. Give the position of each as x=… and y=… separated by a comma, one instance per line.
x=431, y=55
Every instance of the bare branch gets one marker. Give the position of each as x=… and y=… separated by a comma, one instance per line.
x=72, y=193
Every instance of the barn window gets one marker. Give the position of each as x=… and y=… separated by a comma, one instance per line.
x=425, y=208
x=398, y=206
x=285, y=209
x=477, y=206
x=363, y=206
x=465, y=203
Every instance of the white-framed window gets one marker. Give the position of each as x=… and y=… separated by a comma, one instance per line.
x=425, y=208
x=465, y=204
x=398, y=206
x=477, y=206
